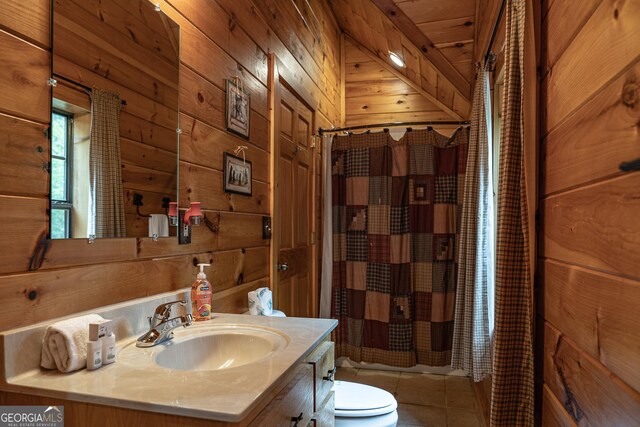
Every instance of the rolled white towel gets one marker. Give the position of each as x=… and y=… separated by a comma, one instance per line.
x=64, y=345
x=260, y=302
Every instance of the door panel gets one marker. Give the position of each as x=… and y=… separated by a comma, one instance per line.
x=302, y=208
x=295, y=289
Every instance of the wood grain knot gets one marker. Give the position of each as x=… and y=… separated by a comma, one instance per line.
x=630, y=94
x=232, y=21
x=200, y=97
x=32, y=295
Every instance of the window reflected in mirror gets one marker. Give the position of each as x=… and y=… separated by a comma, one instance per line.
x=70, y=128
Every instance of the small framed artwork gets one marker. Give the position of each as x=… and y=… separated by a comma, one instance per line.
x=237, y=175
x=238, y=104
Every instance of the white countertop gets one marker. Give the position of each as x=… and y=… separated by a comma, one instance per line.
x=224, y=395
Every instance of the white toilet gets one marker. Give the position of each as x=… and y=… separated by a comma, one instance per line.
x=364, y=405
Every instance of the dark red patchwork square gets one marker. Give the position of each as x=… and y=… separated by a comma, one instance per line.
x=446, y=160
x=441, y=336
x=355, y=303
x=422, y=309
x=380, y=161
x=376, y=335
x=400, y=279
x=379, y=248
x=421, y=218
x=399, y=191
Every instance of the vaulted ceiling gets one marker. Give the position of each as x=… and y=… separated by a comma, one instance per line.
x=436, y=40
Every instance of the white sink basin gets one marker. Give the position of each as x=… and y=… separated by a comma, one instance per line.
x=209, y=348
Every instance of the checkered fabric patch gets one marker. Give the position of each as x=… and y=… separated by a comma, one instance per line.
x=446, y=189
x=443, y=277
x=421, y=159
x=339, y=219
x=357, y=246
x=379, y=248
x=379, y=190
x=400, y=336
x=379, y=219
x=355, y=331
x=422, y=247
x=379, y=277
x=357, y=162
x=399, y=219
x=421, y=276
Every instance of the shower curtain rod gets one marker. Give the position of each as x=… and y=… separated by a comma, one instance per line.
x=85, y=87
x=395, y=124
x=495, y=31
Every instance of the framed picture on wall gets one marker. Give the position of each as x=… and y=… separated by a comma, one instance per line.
x=238, y=104
x=237, y=175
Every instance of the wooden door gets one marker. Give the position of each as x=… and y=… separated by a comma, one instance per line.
x=294, y=273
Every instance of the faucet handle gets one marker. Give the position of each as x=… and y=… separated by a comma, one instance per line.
x=163, y=311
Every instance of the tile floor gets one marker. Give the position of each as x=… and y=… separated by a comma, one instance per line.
x=424, y=399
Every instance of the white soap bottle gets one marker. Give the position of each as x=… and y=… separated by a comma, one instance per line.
x=94, y=354
x=109, y=346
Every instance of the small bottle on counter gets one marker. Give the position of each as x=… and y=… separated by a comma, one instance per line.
x=97, y=331
x=201, y=296
x=94, y=355
x=109, y=345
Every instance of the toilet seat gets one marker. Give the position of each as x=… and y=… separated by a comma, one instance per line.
x=354, y=400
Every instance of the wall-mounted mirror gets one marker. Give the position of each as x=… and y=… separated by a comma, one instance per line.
x=114, y=119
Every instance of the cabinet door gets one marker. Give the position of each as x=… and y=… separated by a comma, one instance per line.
x=325, y=415
x=293, y=406
x=322, y=360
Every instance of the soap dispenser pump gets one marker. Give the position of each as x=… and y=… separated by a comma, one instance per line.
x=201, y=296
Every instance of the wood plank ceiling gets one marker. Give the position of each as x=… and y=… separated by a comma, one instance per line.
x=436, y=40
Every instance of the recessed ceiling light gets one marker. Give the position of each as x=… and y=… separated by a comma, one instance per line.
x=396, y=59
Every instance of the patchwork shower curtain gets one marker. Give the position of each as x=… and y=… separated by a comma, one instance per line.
x=396, y=215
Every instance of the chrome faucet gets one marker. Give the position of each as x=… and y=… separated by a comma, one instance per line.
x=161, y=326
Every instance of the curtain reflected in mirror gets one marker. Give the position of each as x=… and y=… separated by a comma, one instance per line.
x=113, y=175
x=106, y=208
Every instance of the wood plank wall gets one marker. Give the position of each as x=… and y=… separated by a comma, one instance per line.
x=375, y=95
x=219, y=39
x=589, y=241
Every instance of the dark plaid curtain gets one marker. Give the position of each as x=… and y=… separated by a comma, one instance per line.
x=396, y=210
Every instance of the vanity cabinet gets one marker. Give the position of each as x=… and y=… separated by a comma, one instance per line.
x=301, y=398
